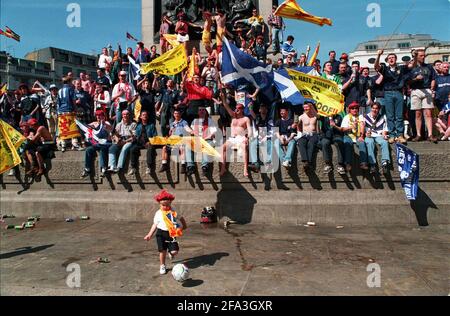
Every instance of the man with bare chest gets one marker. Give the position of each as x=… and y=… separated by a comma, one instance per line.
x=308, y=127
x=240, y=133
x=44, y=144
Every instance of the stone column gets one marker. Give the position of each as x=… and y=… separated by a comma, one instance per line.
x=148, y=22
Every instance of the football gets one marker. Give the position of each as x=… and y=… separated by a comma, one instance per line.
x=180, y=272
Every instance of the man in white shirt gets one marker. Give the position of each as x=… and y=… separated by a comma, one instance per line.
x=104, y=59
x=123, y=96
x=376, y=131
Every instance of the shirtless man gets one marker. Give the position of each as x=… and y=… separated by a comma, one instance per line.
x=43, y=143
x=220, y=20
x=206, y=37
x=308, y=126
x=240, y=133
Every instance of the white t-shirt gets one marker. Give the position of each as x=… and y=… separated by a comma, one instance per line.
x=103, y=60
x=124, y=86
x=159, y=220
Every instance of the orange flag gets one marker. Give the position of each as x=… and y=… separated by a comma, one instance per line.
x=291, y=10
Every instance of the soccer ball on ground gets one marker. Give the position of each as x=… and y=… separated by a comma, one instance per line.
x=180, y=272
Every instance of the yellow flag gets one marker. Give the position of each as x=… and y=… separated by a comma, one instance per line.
x=67, y=126
x=3, y=90
x=172, y=39
x=290, y=9
x=193, y=67
x=15, y=137
x=174, y=140
x=9, y=158
x=137, y=109
x=314, y=56
x=326, y=93
x=170, y=63
x=162, y=141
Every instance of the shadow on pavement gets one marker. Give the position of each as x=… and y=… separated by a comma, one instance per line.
x=192, y=283
x=204, y=260
x=420, y=207
x=24, y=251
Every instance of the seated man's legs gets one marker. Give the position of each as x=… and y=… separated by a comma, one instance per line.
x=113, y=151
x=135, y=153
x=123, y=155
x=384, y=149
x=348, y=152
x=303, y=148
x=312, y=146
x=370, y=143
x=362, y=154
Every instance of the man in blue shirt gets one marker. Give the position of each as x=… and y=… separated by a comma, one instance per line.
x=67, y=105
x=442, y=87
x=393, y=82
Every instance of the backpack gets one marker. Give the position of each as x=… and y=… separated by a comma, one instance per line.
x=209, y=215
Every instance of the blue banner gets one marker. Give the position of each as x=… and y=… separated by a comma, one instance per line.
x=408, y=166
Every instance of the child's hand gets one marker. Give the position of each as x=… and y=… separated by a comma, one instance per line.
x=148, y=237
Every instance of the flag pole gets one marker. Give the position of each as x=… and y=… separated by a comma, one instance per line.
x=401, y=22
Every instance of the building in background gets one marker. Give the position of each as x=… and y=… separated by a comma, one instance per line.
x=15, y=71
x=438, y=51
x=48, y=65
x=400, y=44
x=64, y=61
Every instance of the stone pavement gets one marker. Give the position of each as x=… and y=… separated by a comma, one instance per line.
x=251, y=260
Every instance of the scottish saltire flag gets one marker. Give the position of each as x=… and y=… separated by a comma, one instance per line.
x=134, y=70
x=288, y=90
x=239, y=68
x=408, y=166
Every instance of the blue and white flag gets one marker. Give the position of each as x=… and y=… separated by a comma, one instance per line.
x=408, y=166
x=288, y=90
x=239, y=68
x=134, y=70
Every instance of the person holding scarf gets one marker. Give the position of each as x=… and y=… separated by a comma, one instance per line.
x=353, y=128
x=168, y=226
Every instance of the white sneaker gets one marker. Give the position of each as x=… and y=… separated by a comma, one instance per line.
x=286, y=164
x=162, y=270
x=11, y=173
x=148, y=171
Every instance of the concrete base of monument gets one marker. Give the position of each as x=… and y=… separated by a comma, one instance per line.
x=284, y=197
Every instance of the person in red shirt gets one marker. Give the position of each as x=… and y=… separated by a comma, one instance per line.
x=197, y=95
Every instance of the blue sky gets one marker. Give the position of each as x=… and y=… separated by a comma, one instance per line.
x=43, y=23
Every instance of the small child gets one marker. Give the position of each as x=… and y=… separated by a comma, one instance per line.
x=168, y=225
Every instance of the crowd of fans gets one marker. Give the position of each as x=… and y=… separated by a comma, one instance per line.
x=390, y=106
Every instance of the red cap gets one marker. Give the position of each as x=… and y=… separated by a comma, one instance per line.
x=32, y=122
x=344, y=56
x=240, y=106
x=353, y=105
x=99, y=112
x=164, y=195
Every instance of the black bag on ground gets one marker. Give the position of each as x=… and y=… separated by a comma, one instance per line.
x=209, y=215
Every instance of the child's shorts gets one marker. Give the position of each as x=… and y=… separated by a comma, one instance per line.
x=165, y=242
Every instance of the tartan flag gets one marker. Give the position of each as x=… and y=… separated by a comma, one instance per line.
x=11, y=34
x=131, y=37
x=291, y=10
